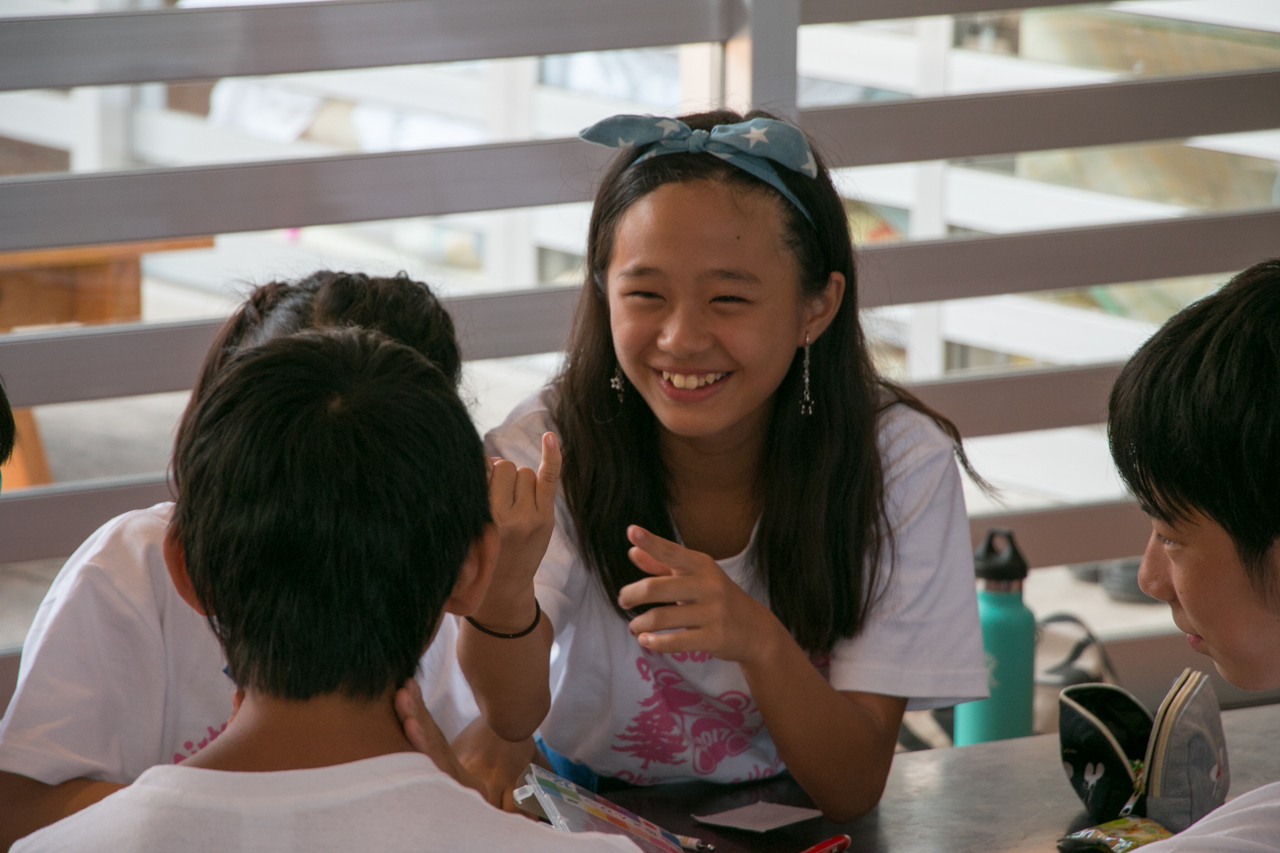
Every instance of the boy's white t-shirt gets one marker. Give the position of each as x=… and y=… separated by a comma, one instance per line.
x=119, y=674
x=1250, y=823
x=398, y=802
x=643, y=717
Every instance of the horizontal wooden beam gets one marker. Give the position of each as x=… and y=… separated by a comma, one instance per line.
x=1083, y=533
x=123, y=360
x=51, y=521
x=151, y=358
x=204, y=43
x=957, y=268
x=937, y=128
x=838, y=11
x=147, y=204
x=521, y=322
x=1022, y=400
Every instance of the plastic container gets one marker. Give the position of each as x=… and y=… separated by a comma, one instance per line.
x=1009, y=643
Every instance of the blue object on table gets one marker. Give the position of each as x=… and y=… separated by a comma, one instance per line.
x=579, y=774
x=1009, y=646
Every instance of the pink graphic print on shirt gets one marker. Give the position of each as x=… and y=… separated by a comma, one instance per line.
x=677, y=719
x=192, y=747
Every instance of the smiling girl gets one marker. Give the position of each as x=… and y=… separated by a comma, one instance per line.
x=760, y=555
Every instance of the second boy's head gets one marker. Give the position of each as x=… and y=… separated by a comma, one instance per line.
x=1195, y=431
x=331, y=503
x=404, y=310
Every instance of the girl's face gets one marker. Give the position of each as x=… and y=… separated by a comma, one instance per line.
x=1195, y=568
x=706, y=307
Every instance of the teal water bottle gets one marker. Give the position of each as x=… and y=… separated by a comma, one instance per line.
x=1009, y=644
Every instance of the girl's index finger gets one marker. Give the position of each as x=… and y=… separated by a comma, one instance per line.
x=548, y=471
x=679, y=558
x=649, y=564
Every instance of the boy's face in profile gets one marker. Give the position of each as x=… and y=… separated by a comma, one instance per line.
x=1194, y=566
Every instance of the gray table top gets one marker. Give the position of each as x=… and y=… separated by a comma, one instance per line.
x=1002, y=797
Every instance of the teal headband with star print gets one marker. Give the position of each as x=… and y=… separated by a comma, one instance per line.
x=749, y=145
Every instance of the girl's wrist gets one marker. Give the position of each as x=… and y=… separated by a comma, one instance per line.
x=507, y=614
x=769, y=642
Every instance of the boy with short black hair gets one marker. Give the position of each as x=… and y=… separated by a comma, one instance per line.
x=331, y=505
x=1195, y=431
x=118, y=674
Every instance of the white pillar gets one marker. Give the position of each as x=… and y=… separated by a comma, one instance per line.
x=150, y=95
x=103, y=138
x=104, y=114
x=701, y=77
x=511, y=83
x=511, y=258
x=926, y=349
x=760, y=60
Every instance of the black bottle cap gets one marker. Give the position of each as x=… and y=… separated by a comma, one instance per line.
x=1005, y=564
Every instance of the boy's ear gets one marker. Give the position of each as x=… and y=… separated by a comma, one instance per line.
x=176, y=562
x=475, y=574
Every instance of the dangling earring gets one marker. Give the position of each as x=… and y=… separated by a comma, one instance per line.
x=806, y=401
x=617, y=383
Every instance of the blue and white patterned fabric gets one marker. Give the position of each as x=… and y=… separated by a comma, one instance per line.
x=749, y=145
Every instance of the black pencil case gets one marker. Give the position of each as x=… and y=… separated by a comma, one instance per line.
x=1171, y=768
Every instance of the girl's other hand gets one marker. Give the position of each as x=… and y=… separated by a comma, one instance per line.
x=523, y=508
x=424, y=735
x=499, y=764
x=710, y=612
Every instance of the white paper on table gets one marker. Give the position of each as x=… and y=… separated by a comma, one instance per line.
x=759, y=817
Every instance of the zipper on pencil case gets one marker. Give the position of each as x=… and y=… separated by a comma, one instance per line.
x=1111, y=738
x=1166, y=718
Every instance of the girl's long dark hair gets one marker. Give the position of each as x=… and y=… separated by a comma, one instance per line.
x=823, y=530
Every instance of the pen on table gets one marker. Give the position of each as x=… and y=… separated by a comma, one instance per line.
x=832, y=845
x=695, y=844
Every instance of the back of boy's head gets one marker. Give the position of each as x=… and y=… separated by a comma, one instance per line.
x=329, y=485
x=1194, y=418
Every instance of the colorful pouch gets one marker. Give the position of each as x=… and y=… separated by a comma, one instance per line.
x=1114, y=836
x=1120, y=761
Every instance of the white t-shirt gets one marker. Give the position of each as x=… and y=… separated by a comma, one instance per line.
x=643, y=717
x=398, y=802
x=1248, y=824
x=119, y=674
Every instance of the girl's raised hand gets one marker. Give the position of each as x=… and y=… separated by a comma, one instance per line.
x=504, y=644
x=705, y=610
x=523, y=508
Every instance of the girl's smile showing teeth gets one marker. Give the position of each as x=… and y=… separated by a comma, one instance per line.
x=692, y=380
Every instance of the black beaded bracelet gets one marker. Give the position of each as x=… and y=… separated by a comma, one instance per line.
x=537, y=617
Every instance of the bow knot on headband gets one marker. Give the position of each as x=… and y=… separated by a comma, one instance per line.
x=697, y=141
x=753, y=145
